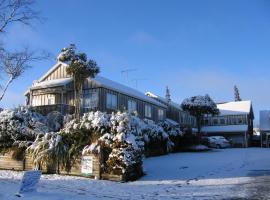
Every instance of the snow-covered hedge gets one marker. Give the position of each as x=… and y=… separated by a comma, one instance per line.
x=20, y=126
x=123, y=137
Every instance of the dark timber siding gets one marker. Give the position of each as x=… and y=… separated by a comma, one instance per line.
x=122, y=102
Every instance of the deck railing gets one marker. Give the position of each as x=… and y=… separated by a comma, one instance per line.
x=62, y=108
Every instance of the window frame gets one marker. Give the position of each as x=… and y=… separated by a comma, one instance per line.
x=110, y=100
x=147, y=111
x=133, y=105
x=88, y=102
x=161, y=117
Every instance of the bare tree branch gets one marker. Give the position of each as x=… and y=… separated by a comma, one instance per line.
x=14, y=64
x=16, y=11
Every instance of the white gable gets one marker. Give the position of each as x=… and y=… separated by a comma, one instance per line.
x=58, y=64
x=234, y=108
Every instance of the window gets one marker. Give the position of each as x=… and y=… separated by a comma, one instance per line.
x=51, y=99
x=111, y=102
x=90, y=100
x=160, y=114
x=36, y=101
x=215, y=121
x=132, y=106
x=147, y=111
x=222, y=121
x=233, y=120
x=240, y=121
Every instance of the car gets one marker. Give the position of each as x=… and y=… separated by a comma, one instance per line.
x=217, y=142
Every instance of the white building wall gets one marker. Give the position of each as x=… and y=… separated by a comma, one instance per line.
x=265, y=120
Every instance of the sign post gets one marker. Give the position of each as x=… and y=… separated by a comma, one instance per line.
x=87, y=165
x=29, y=182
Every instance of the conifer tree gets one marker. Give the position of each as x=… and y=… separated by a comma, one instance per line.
x=80, y=69
x=236, y=94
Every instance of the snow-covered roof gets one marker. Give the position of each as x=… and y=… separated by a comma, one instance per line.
x=51, y=83
x=107, y=83
x=163, y=100
x=234, y=108
x=227, y=128
x=104, y=82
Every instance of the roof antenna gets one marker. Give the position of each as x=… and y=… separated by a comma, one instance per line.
x=136, y=80
x=125, y=73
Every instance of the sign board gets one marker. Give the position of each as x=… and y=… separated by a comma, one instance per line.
x=87, y=165
x=29, y=181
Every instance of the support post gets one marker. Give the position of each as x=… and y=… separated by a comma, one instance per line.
x=246, y=145
x=62, y=103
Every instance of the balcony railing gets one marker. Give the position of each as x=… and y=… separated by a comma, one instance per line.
x=62, y=108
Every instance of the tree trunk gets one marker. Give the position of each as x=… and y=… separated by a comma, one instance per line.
x=75, y=98
x=5, y=88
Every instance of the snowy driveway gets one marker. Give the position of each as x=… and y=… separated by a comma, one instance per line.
x=220, y=174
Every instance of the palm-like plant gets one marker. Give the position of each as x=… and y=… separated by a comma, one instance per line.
x=79, y=68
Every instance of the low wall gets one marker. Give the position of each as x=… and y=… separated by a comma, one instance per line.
x=79, y=168
x=7, y=162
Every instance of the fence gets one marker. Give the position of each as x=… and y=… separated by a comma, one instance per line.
x=81, y=167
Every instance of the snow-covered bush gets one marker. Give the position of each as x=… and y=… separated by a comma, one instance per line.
x=47, y=149
x=55, y=121
x=123, y=139
x=20, y=126
x=174, y=133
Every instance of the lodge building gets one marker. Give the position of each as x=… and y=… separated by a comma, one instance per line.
x=54, y=92
x=234, y=122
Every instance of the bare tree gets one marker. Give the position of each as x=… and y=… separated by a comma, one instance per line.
x=14, y=64
x=17, y=11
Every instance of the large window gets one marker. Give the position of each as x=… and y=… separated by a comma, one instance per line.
x=148, y=111
x=222, y=121
x=160, y=114
x=51, y=99
x=90, y=99
x=132, y=106
x=111, y=102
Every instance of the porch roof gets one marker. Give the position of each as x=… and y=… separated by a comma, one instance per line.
x=51, y=83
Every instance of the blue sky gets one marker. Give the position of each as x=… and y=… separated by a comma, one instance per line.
x=193, y=46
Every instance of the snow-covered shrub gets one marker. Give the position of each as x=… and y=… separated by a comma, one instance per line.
x=47, y=149
x=55, y=121
x=122, y=146
x=188, y=139
x=174, y=133
x=125, y=156
x=20, y=126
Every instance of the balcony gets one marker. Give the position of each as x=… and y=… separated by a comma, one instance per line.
x=62, y=108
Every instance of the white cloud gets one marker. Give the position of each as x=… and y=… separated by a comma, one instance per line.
x=143, y=38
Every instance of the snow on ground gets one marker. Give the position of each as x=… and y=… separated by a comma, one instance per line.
x=219, y=174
